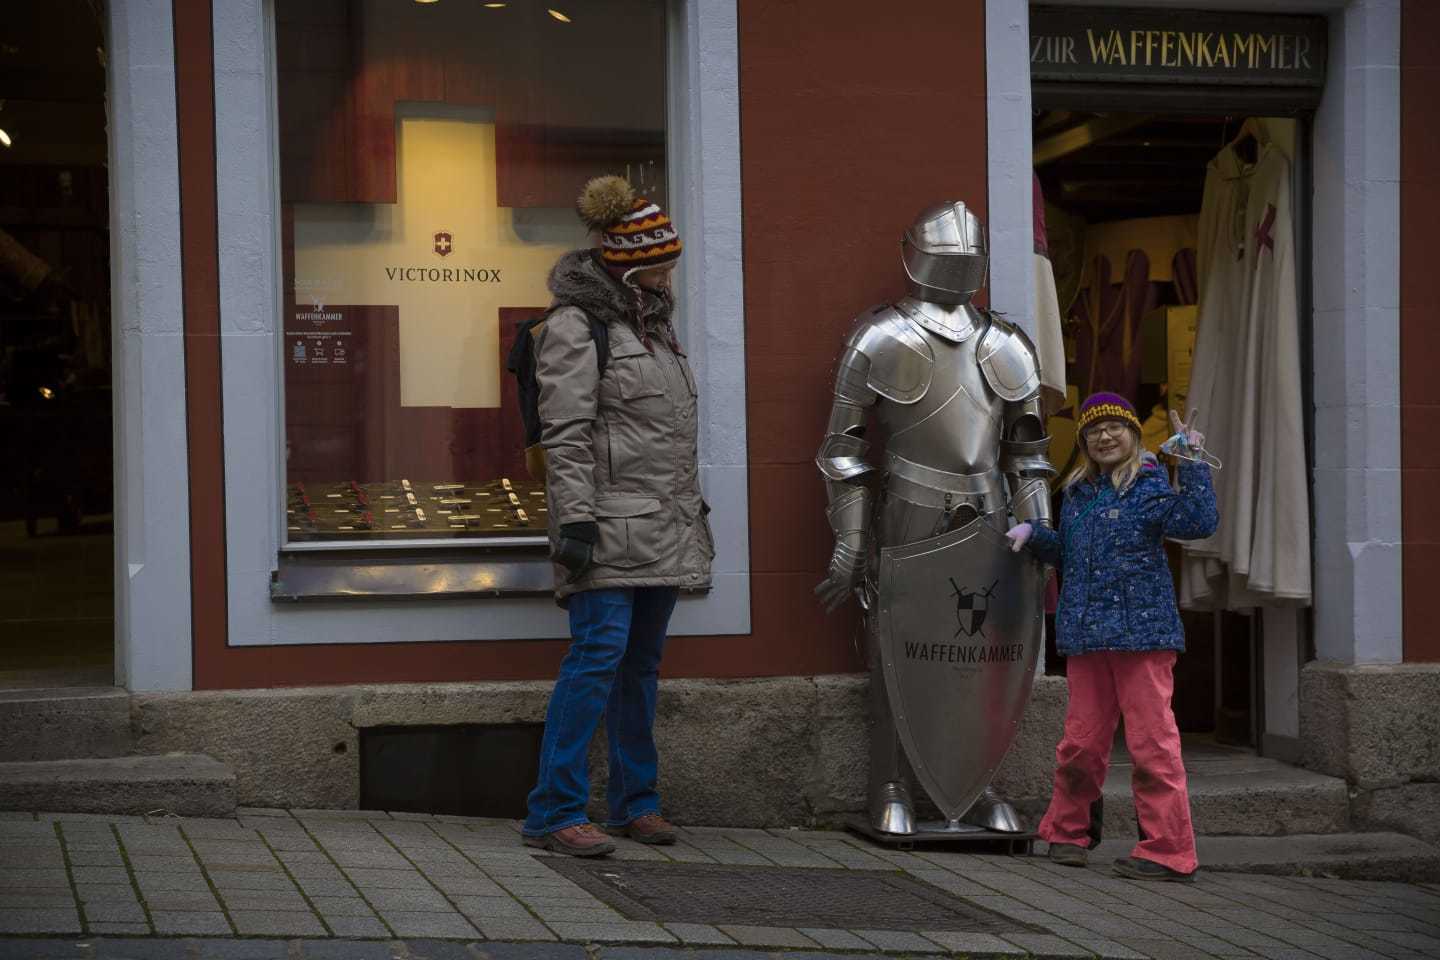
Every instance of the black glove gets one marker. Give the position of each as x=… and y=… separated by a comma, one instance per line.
x=577, y=543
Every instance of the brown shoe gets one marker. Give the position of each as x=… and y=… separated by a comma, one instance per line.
x=1138, y=868
x=1069, y=854
x=581, y=840
x=650, y=828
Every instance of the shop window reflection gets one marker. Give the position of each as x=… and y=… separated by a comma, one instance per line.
x=430, y=156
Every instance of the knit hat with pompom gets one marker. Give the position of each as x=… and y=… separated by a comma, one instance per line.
x=635, y=233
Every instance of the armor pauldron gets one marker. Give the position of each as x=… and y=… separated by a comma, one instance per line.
x=852, y=379
x=1008, y=361
x=901, y=361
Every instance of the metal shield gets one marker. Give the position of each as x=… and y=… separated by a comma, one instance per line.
x=959, y=625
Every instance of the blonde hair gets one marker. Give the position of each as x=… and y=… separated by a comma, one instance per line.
x=1121, y=477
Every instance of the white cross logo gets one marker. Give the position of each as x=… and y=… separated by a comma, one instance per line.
x=449, y=330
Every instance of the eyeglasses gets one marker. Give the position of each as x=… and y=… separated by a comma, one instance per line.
x=1109, y=428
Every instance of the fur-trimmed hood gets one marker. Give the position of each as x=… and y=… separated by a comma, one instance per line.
x=579, y=279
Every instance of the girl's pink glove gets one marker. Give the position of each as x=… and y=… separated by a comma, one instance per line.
x=1019, y=535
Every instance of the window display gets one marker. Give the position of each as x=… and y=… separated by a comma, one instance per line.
x=430, y=155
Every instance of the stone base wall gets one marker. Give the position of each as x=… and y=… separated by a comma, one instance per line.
x=769, y=752
x=1378, y=727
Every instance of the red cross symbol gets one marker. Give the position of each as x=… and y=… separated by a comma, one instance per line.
x=1262, y=230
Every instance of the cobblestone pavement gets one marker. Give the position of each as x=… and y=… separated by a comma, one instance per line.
x=272, y=883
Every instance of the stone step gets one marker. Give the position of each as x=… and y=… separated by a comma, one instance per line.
x=1347, y=856
x=59, y=724
x=186, y=784
x=1238, y=793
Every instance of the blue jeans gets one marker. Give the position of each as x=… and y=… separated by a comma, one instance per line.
x=612, y=667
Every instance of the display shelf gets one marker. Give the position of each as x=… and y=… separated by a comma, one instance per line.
x=348, y=511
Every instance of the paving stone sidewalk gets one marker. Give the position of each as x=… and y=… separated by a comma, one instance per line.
x=359, y=884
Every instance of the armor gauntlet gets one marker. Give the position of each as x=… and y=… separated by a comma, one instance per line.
x=850, y=519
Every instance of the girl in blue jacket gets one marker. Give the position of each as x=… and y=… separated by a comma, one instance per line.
x=1118, y=624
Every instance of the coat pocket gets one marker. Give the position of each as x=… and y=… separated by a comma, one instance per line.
x=634, y=531
x=637, y=374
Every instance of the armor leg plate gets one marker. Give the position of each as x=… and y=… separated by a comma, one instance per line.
x=890, y=807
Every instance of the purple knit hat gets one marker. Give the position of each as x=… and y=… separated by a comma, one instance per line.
x=1107, y=406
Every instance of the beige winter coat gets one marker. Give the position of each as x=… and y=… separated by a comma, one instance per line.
x=621, y=450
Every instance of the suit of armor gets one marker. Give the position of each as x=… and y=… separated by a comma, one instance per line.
x=955, y=390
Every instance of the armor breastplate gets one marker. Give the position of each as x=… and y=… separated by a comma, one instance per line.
x=942, y=451
x=941, y=396
x=955, y=427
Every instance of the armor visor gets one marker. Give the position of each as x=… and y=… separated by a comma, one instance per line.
x=944, y=254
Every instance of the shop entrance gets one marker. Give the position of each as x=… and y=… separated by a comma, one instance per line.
x=1139, y=175
x=56, y=479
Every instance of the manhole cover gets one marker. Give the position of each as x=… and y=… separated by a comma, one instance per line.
x=778, y=896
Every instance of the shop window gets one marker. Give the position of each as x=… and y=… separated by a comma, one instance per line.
x=430, y=155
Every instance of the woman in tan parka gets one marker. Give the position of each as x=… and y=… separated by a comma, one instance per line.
x=628, y=525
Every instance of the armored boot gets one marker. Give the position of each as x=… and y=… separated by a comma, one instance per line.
x=891, y=809
x=992, y=812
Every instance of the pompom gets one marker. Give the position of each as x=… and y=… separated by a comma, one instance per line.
x=604, y=201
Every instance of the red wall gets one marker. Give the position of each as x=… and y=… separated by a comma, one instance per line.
x=844, y=139
x=1419, y=322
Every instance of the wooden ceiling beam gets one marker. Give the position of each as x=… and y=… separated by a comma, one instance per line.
x=1085, y=135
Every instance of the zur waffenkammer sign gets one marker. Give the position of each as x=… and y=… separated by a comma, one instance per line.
x=1091, y=44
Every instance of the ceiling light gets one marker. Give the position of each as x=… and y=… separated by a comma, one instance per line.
x=4, y=138
x=427, y=1
x=558, y=16
x=494, y=6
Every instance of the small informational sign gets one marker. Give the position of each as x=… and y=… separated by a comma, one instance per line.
x=1105, y=44
x=318, y=337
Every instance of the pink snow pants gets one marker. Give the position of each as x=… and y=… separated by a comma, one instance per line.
x=1103, y=686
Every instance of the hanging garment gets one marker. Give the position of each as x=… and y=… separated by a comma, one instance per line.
x=1159, y=238
x=1107, y=316
x=1246, y=385
x=1049, y=342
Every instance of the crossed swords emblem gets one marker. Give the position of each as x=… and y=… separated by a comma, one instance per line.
x=970, y=607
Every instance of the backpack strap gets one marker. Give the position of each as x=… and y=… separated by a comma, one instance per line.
x=521, y=363
x=600, y=333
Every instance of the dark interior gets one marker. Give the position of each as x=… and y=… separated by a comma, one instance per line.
x=56, y=485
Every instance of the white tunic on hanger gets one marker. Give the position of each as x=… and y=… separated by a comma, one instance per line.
x=1246, y=384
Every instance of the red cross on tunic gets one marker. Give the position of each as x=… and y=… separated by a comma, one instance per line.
x=1262, y=230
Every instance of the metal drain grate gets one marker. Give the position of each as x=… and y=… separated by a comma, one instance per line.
x=778, y=896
